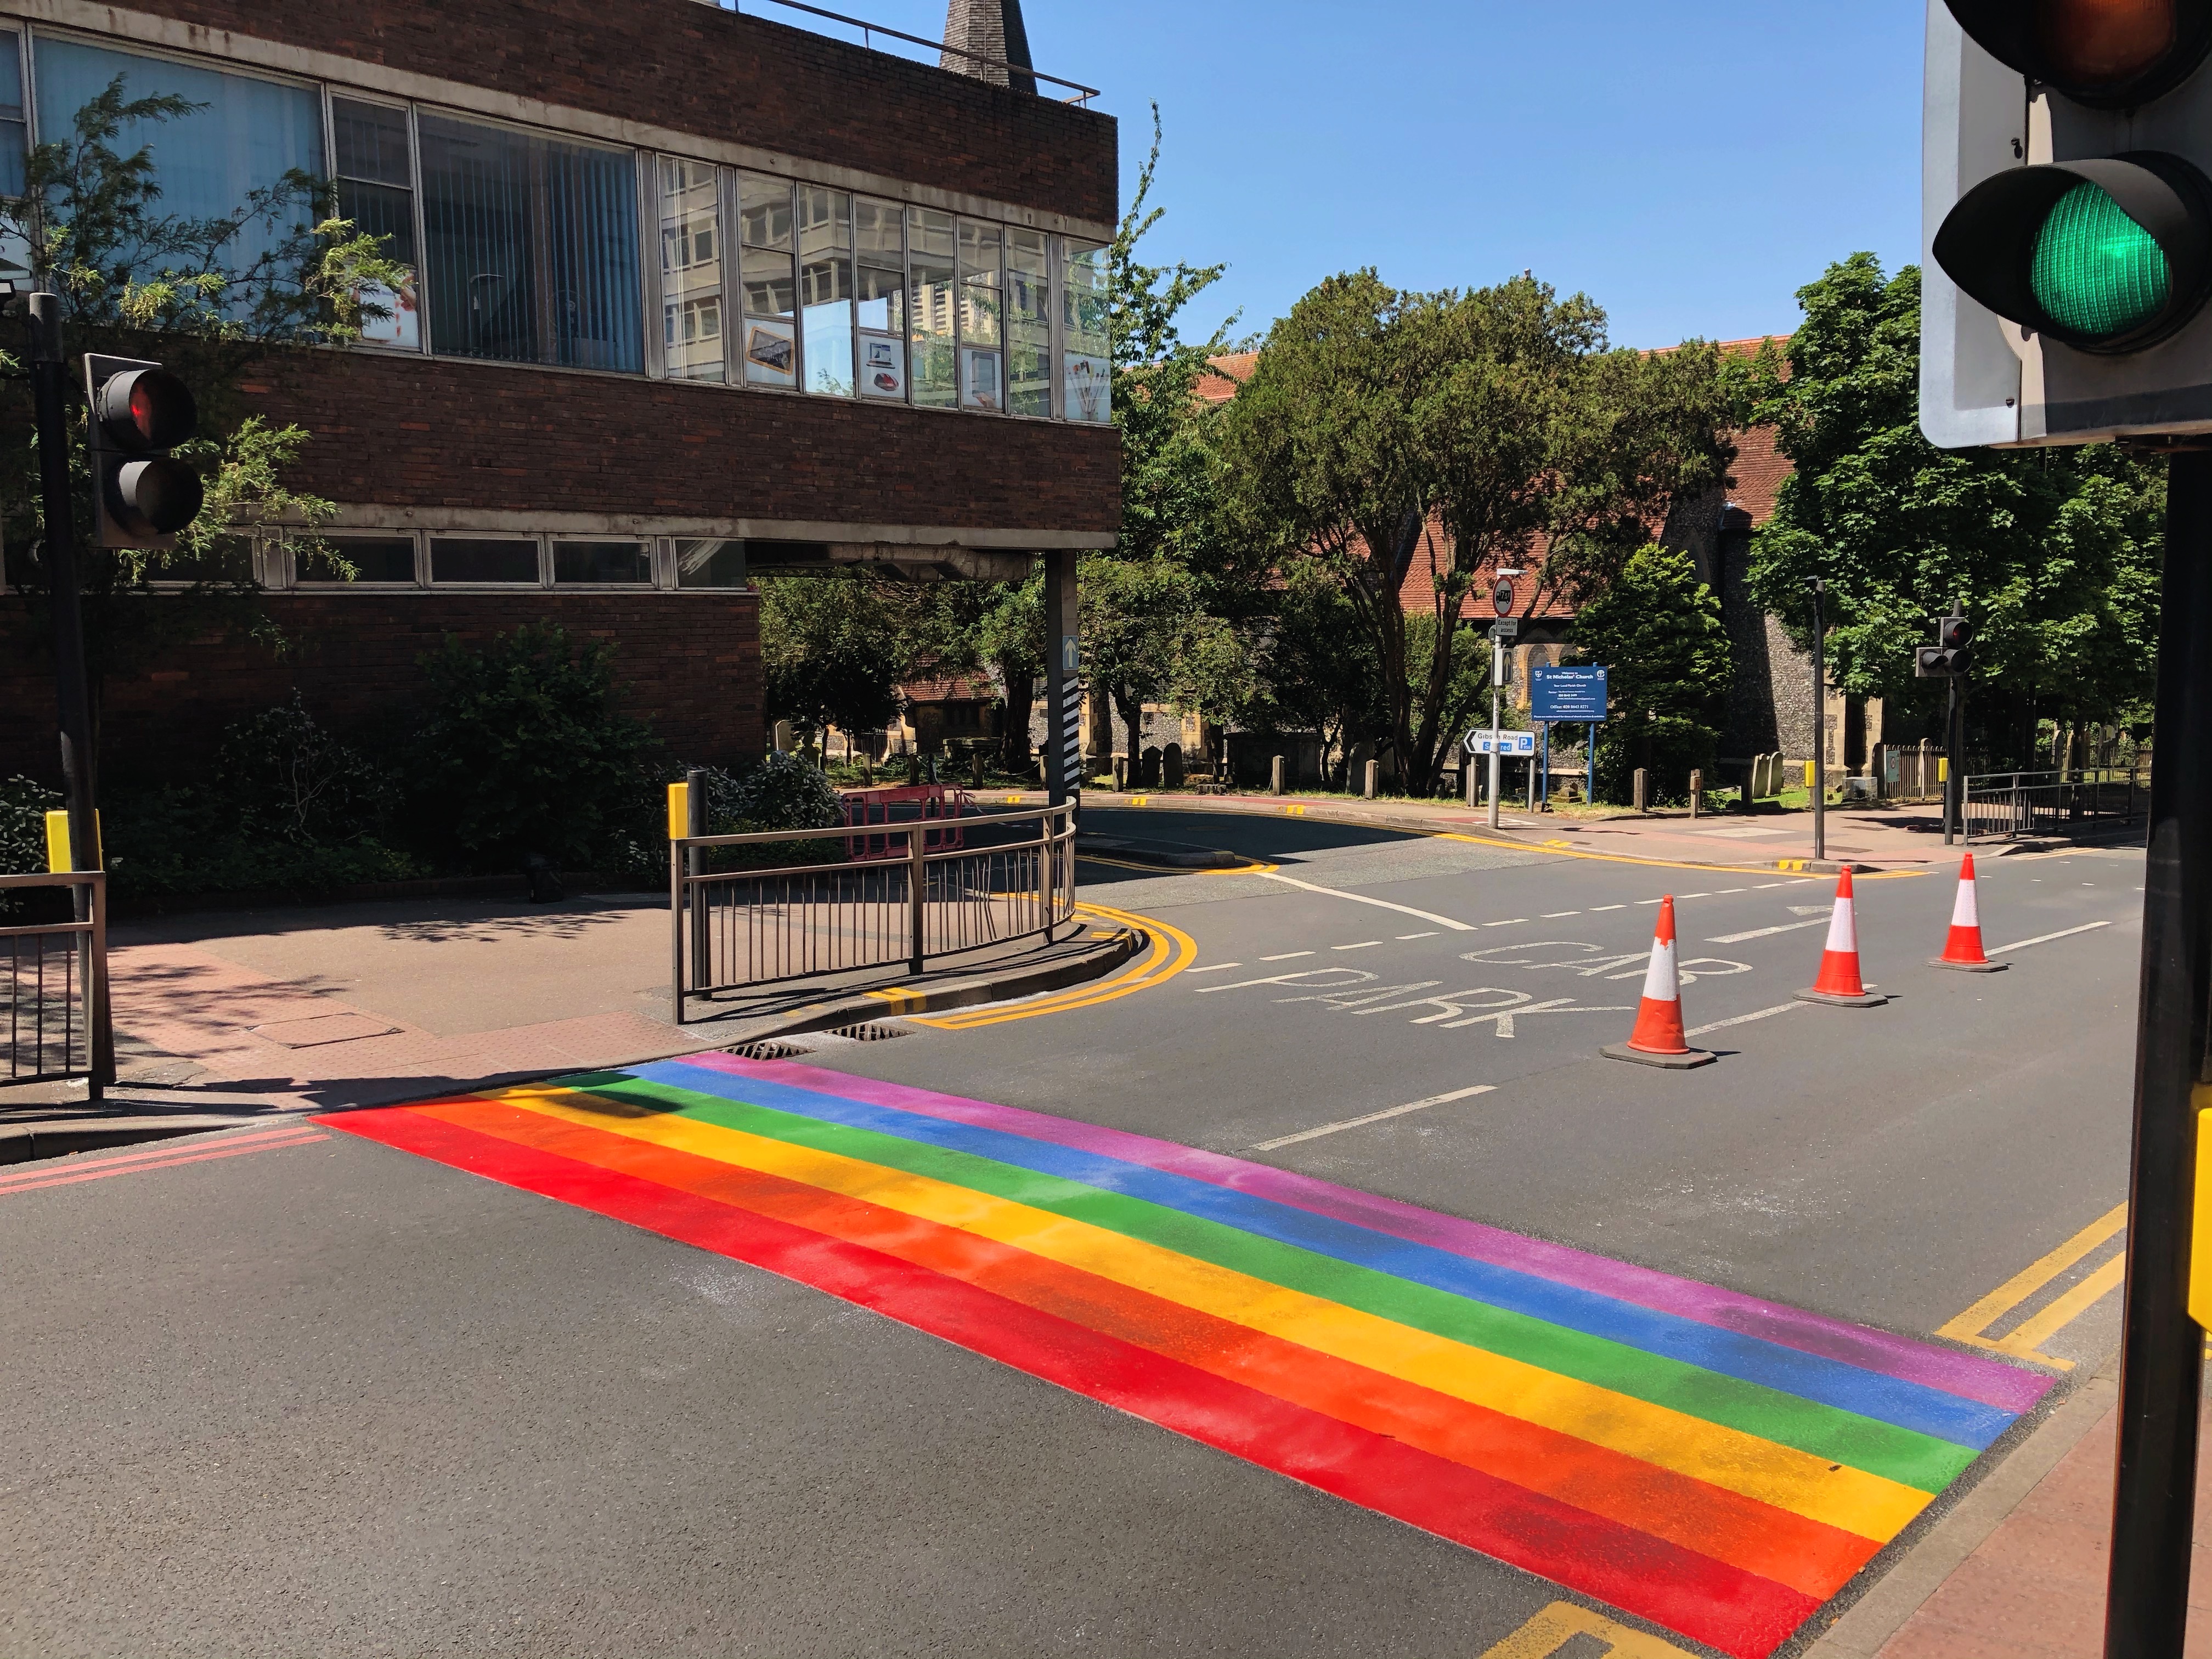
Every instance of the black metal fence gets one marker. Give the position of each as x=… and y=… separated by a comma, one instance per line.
x=2012, y=806
x=53, y=988
x=1002, y=877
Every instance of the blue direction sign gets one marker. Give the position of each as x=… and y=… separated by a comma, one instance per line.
x=1566, y=694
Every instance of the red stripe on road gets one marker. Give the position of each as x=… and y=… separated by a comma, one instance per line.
x=142, y=1164
x=1736, y=1612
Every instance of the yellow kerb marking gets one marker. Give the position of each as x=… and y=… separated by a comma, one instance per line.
x=901, y=998
x=2026, y=1342
x=1172, y=951
x=2200, y=1236
x=1560, y=1623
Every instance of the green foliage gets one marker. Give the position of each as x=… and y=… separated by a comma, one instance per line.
x=186, y=839
x=836, y=649
x=290, y=779
x=1656, y=630
x=24, y=804
x=525, y=750
x=782, y=792
x=2055, y=552
x=1462, y=430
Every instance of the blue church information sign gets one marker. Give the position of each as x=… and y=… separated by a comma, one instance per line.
x=1566, y=694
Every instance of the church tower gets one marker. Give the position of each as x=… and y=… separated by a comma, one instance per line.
x=990, y=29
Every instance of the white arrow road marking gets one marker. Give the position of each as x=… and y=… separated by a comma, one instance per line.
x=1372, y=1117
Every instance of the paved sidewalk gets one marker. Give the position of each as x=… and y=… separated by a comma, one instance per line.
x=2017, y=1570
x=254, y=1013
x=1892, y=837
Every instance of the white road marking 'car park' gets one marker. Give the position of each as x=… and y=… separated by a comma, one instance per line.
x=1598, y=961
x=1356, y=992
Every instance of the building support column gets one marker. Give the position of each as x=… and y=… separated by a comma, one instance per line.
x=1063, y=757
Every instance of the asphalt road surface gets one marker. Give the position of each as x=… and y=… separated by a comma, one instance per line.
x=306, y=1393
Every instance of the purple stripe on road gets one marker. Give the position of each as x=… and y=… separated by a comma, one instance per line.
x=1991, y=1382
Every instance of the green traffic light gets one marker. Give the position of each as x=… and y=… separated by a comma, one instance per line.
x=2097, y=272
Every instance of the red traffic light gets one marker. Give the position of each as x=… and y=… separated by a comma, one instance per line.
x=2110, y=54
x=146, y=409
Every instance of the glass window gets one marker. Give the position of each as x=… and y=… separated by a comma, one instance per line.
x=532, y=248
x=1084, y=344
x=247, y=137
x=12, y=131
x=376, y=191
x=983, y=315
x=879, y=277
x=825, y=289
x=603, y=561
x=933, y=345
x=453, y=559
x=1029, y=323
x=710, y=564
x=765, y=273
x=691, y=270
x=380, y=559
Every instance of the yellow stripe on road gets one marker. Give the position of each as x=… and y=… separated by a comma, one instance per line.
x=1968, y=1327
x=1551, y=1630
x=1172, y=951
x=1839, y=1495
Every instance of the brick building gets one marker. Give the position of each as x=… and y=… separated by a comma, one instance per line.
x=695, y=295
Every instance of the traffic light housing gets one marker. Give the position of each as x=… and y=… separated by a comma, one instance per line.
x=2068, y=178
x=137, y=412
x=1952, y=656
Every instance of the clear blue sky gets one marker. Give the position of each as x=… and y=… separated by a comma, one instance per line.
x=1689, y=166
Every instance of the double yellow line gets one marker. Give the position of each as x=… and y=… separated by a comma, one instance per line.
x=2025, y=1340
x=1172, y=951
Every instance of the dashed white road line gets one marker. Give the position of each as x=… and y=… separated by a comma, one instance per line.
x=1595, y=908
x=1287, y=956
x=1744, y=1019
x=1692, y=895
x=1364, y=945
x=1554, y=915
x=1725, y=891
x=1371, y=1117
x=1771, y=885
x=1213, y=967
x=1510, y=921
x=1763, y=932
x=2045, y=939
x=1362, y=898
x=1647, y=901
x=1429, y=934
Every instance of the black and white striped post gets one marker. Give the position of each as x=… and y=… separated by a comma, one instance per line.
x=1063, y=759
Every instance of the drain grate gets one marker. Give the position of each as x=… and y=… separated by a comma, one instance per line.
x=767, y=1050
x=870, y=1033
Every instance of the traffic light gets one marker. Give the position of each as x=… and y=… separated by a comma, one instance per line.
x=2068, y=221
x=1952, y=657
x=141, y=494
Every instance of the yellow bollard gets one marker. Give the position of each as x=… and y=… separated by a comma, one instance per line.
x=679, y=811
x=58, y=862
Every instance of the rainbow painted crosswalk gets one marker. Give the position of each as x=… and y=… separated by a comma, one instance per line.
x=1718, y=1465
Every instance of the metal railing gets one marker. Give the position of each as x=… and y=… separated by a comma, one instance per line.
x=2008, y=805
x=730, y=929
x=53, y=990
x=869, y=31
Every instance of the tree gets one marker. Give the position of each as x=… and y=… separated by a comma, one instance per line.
x=1656, y=630
x=838, y=649
x=2055, y=552
x=1472, y=430
x=134, y=281
x=1009, y=634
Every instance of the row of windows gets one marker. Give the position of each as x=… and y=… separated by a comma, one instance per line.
x=526, y=247
x=383, y=560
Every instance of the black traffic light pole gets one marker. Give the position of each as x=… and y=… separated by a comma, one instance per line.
x=2161, y=1348
x=71, y=690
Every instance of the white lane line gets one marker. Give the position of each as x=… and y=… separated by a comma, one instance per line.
x=2045, y=939
x=1595, y=908
x=1688, y=895
x=1372, y=1117
x=1429, y=934
x=1287, y=956
x=1510, y=921
x=1745, y=1019
x=1771, y=885
x=1364, y=945
x=1213, y=967
x=1554, y=915
x=1647, y=901
x=1763, y=932
x=1725, y=891
x=1362, y=898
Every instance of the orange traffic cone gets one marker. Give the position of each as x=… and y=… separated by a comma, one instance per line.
x=1963, y=949
x=1839, y=983
x=1657, y=1039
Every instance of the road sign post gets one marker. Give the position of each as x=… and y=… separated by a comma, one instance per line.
x=2161, y=1347
x=1506, y=628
